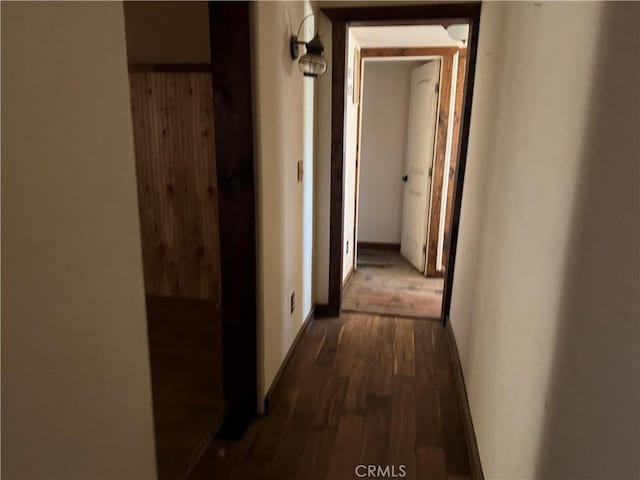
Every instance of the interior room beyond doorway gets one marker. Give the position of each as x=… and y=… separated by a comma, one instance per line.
x=387, y=284
x=405, y=110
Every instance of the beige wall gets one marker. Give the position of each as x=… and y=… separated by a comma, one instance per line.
x=545, y=303
x=322, y=170
x=350, y=147
x=385, y=114
x=284, y=120
x=76, y=394
x=167, y=32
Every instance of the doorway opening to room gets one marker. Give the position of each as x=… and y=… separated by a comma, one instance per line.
x=406, y=111
x=390, y=196
x=406, y=136
x=191, y=97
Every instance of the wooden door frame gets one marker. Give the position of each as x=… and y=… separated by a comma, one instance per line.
x=459, y=93
x=231, y=76
x=446, y=55
x=356, y=199
x=341, y=19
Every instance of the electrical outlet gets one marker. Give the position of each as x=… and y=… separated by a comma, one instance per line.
x=293, y=301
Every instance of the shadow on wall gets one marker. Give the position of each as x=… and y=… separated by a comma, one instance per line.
x=481, y=167
x=279, y=126
x=593, y=395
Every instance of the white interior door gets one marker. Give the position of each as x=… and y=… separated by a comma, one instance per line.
x=421, y=134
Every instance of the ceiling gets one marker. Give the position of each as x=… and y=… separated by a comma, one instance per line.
x=403, y=36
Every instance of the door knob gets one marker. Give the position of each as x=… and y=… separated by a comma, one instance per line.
x=405, y=178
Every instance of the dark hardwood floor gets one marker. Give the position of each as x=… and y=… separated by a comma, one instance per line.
x=360, y=389
x=185, y=347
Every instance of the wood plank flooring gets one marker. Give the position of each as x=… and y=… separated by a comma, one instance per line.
x=360, y=389
x=185, y=348
x=385, y=283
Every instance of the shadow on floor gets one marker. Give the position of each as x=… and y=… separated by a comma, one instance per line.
x=186, y=376
x=360, y=389
x=592, y=427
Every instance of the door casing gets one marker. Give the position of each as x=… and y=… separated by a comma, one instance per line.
x=341, y=19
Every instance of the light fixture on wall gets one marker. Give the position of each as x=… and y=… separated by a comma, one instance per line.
x=312, y=63
x=459, y=33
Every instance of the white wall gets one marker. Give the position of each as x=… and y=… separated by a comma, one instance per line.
x=322, y=169
x=385, y=111
x=545, y=302
x=76, y=393
x=308, y=153
x=350, y=149
x=284, y=126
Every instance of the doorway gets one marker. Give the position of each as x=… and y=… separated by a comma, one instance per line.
x=404, y=163
x=393, y=195
x=191, y=96
x=439, y=256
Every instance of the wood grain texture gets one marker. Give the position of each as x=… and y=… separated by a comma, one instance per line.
x=455, y=142
x=408, y=51
x=385, y=283
x=437, y=179
x=336, y=212
x=176, y=174
x=365, y=414
x=231, y=52
x=403, y=349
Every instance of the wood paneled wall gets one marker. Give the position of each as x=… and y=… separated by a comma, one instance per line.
x=173, y=129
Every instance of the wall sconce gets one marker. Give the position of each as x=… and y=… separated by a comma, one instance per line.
x=459, y=32
x=312, y=63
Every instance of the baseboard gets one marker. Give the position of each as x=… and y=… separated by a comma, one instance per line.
x=347, y=278
x=470, y=436
x=395, y=247
x=196, y=456
x=285, y=363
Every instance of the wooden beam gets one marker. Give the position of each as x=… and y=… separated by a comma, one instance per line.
x=455, y=143
x=408, y=52
x=437, y=179
x=447, y=14
x=230, y=33
x=336, y=222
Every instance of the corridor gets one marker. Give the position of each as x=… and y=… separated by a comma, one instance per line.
x=359, y=390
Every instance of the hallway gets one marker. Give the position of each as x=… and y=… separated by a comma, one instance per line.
x=359, y=389
x=385, y=283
